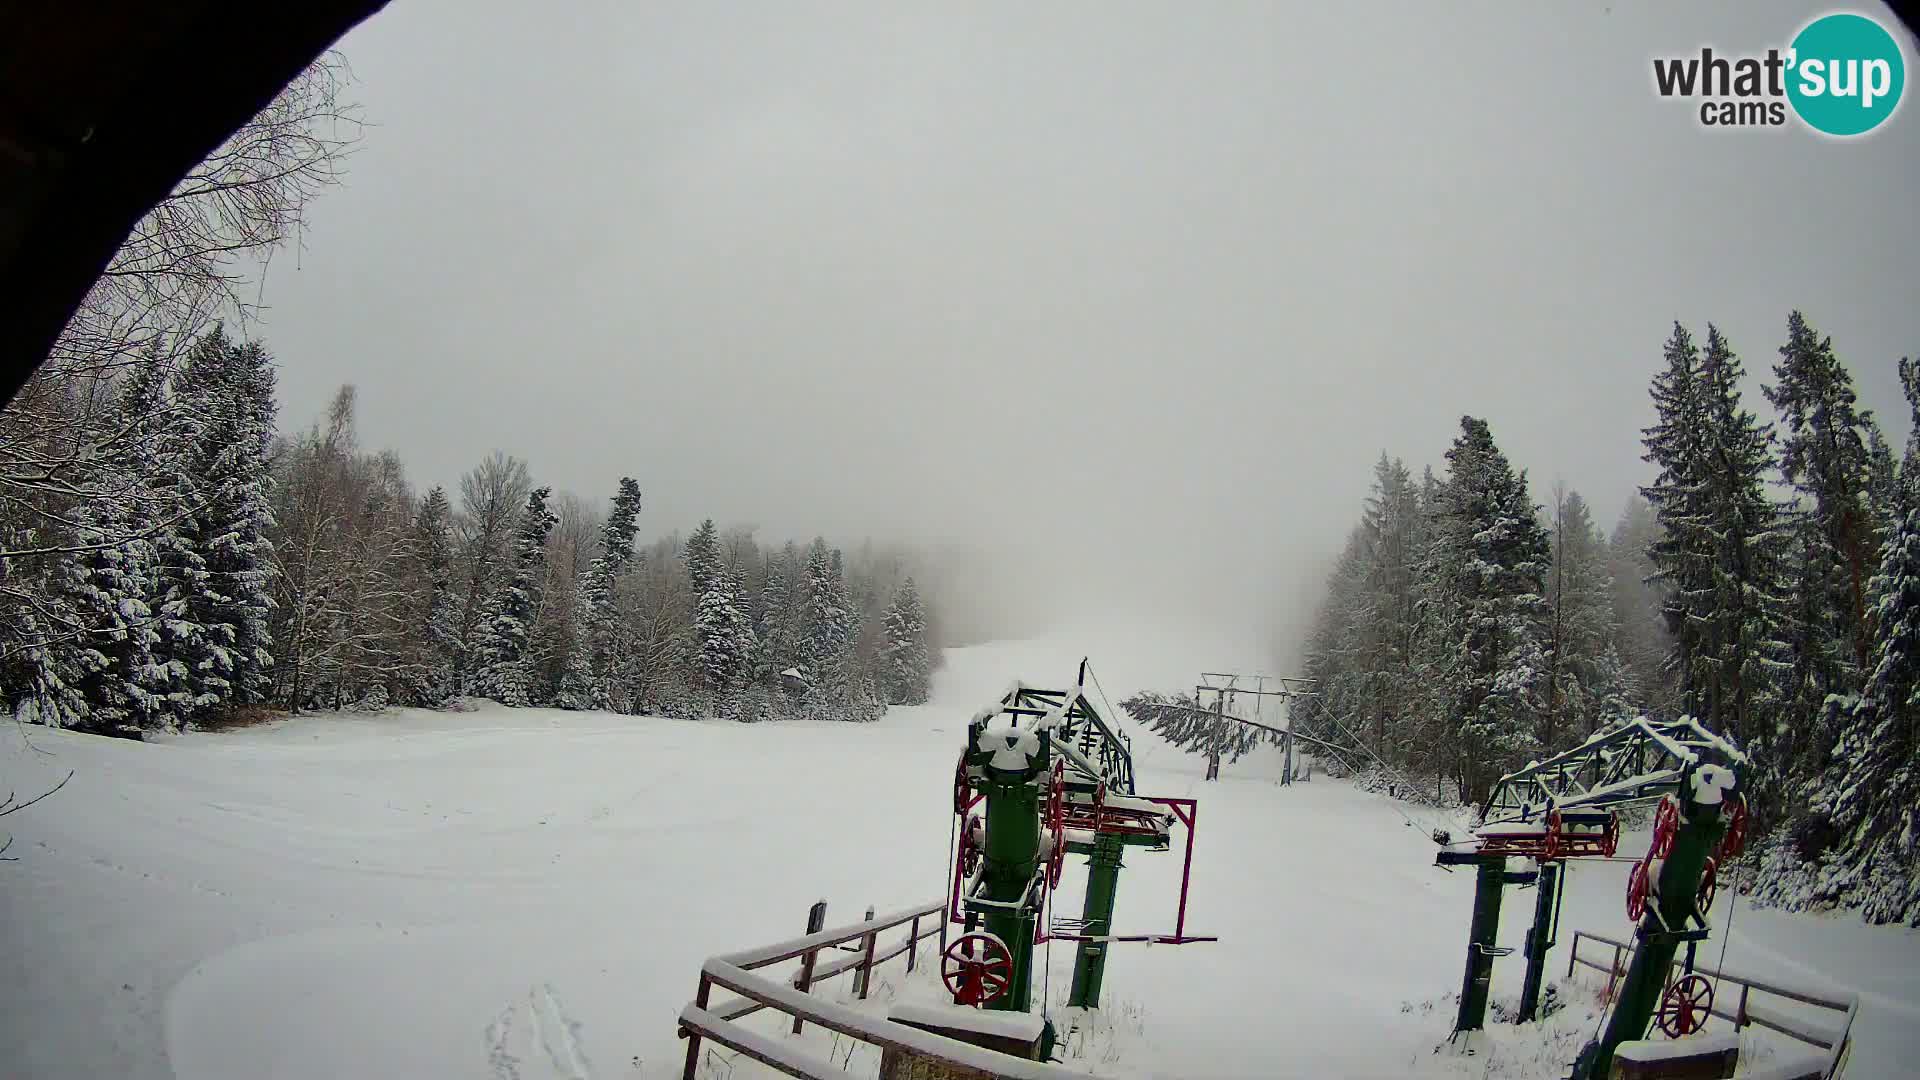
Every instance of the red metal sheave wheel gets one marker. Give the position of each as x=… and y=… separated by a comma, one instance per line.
x=1610, y=840
x=1056, y=824
x=1637, y=889
x=969, y=848
x=1666, y=822
x=1708, y=882
x=962, y=794
x=1550, y=846
x=976, y=977
x=1057, y=859
x=1735, y=839
x=1685, y=1006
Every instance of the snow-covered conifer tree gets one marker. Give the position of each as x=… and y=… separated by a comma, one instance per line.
x=1720, y=548
x=113, y=579
x=1487, y=564
x=440, y=636
x=906, y=665
x=774, y=628
x=1583, y=691
x=589, y=681
x=220, y=583
x=725, y=632
x=703, y=556
x=500, y=648
x=1868, y=804
x=1641, y=638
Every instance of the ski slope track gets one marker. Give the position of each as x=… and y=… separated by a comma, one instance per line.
x=525, y=894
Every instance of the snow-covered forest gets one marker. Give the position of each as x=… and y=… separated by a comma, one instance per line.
x=1767, y=582
x=197, y=563
x=174, y=556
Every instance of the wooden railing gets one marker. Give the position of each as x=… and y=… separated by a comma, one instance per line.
x=737, y=972
x=1834, y=1039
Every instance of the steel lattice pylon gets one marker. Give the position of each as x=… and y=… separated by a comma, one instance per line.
x=1637, y=762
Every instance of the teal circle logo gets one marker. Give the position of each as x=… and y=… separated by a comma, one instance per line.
x=1845, y=75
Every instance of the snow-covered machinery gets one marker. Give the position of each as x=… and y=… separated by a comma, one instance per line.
x=1567, y=808
x=1045, y=775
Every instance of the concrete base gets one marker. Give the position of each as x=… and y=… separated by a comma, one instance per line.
x=1014, y=1034
x=1700, y=1057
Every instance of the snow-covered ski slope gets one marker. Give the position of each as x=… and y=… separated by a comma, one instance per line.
x=527, y=894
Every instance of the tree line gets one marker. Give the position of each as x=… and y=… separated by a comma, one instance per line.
x=203, y=563
x=1766, y=583
x=168, y=558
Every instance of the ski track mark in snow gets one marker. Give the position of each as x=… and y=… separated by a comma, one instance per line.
x=559, y=1035
x=505, y=1065
x=548, y=1030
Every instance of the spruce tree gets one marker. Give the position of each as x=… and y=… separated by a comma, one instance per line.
x=1721, y=550
x=1910, y=461
x=774, y=629
x=441, y=647
x=1883, y=482
x=111, y=585
x=1334, y=654
x=724, y=632
x=589, y=681
x=1867, y=809
x=500, y=649
x=1641, y=638
x=1584, y=688
x=827, y=620
x=221, y=582
x=1742, y=672
x=906, y=667
x=1825, y=456
x=1682, y=550
x=1393, y=531
x=1487, y=564
x=703, y=557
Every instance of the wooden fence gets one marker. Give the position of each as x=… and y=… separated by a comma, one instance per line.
x=738, y=972
x=1832, y=1038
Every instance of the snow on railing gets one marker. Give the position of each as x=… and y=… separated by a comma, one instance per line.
x=1834, y=1040
x=738, y=972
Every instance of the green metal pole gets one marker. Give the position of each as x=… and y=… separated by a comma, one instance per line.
x=1012, y=854
x=1661, y=929
x=1103, y=881
x=1489, y=880
x=1539, y=939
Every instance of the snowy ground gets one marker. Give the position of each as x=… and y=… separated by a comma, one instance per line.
x=529, y=894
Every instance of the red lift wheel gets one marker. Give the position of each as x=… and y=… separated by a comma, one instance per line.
x=976, y=980
x=1637, y=887
x=1735, y=840
x=1684, y=1007
x=1704, y=897
x=969, y=849
x=1610, y=840
x=962, y=794
x=1666, y=822
x=1550, y=847
x=1057, y=861
x=1056, y=822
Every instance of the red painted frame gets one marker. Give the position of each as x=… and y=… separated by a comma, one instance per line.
x=954, y=913
x=1187, y=812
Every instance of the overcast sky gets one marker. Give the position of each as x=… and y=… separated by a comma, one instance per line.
x=1129, y=294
